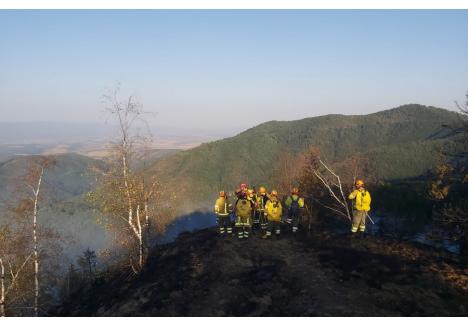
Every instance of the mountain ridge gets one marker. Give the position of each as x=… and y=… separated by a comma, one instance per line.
x=251, y=155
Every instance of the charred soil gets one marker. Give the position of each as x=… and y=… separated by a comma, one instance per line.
x=204, y=274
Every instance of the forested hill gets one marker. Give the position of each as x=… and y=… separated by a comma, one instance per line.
x=62, y=207
x=400, y=143
x=71, y=175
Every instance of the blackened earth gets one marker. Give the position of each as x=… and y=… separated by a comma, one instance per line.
x=205, y=274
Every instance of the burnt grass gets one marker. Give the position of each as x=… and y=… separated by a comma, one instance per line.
x=204, y=274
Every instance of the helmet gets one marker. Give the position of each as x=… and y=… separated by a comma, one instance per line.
x=240, y=193
x=359, y=183
x=262, y=190
x=222, y=193
x=295, y=191
x=274, y=193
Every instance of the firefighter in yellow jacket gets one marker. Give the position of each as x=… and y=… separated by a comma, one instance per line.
x=361, y=207
x=262, y=199
x=274, y=213
x=243, y=216
x=222, y=209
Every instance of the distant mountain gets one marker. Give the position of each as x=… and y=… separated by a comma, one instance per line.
x=70, y=176
x=400, y=143
x=63, y=206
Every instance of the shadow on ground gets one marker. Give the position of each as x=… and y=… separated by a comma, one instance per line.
x=204, y=274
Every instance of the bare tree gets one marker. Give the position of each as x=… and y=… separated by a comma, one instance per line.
x=2, y=285
x=464, y=112
x=332, y=183
x=448, y=189
x=320, y=178
x=13, y=279
x=33, y=180
x=123, y=194
x=87, y=262
x=355, y=167
x=287, y=171
x=23, y=240
x=14, y=258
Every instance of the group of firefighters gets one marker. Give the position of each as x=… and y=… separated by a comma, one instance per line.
x=264, y=210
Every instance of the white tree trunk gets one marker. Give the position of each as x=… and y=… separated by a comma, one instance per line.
x=140, y=239
x=127, y=188
x=136, y=231
x=147, y=227
x=2, y=285
x=14, y=277
x=327, y=184
x=127, y=114
x=35, y=239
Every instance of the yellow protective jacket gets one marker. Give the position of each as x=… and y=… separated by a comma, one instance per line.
x=362, y=200
x=274, y=210
x=243, y=208
x=221, y=206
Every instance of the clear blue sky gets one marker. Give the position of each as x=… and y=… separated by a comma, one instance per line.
x=229, y=69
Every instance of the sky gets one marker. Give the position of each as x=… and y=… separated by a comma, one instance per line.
x=227, y=70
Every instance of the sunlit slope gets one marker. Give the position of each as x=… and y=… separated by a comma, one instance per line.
x=400, y=143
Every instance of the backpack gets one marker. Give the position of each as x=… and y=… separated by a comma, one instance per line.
x=274, y=210
x=243, y=208
x=294, y=208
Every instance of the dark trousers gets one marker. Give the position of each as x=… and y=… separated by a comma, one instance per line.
x=224, y=223
x=295, y=221
x=262, y=220
x=273, y=227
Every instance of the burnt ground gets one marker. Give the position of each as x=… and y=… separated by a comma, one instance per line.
x=204, y=274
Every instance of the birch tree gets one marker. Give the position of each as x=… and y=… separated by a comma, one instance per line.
x=7, y=286
x=14, y=258
x=25, y=246
x=123, y=195
x=321, y=181
x=33, y=179
x=2, y=289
